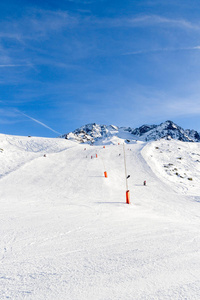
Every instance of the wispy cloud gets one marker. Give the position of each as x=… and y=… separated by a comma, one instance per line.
x=42, y=22
x=13, y=66
x=162, y=50
x=38, y=22
x=156, y=19
x=145, y=21
x=8, y=116
x=26, y=32
x=168, y=106
x=5, y=112
x=51, y=25
x=184, y=106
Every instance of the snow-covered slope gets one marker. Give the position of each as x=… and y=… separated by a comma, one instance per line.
x=67, y=233
x=16, y=151
x=94, y=133
x=177, y=163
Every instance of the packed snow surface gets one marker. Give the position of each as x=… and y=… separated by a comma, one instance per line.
x=67, y=232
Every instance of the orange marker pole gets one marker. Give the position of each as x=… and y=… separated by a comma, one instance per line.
x=105, y=174
x=96, y=155
x=128, y=197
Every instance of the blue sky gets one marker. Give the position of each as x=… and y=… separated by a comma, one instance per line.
x=66, y=63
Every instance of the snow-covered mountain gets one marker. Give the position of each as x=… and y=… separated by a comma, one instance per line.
x=91, y=133
x=166, y=130
x=94, y=133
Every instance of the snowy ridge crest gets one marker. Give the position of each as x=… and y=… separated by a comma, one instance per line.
x=92, y=133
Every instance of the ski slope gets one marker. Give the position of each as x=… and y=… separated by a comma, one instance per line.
x=67, y=233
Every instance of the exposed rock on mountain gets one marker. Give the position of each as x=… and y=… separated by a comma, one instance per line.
x=92, y=133
x=167, y=130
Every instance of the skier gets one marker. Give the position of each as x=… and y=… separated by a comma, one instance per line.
x=145, y=182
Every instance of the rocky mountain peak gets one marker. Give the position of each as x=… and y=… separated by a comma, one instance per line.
x=93, y=132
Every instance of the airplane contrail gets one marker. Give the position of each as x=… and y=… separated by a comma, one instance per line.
x=35, y=120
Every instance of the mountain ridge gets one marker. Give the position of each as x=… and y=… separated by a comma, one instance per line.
x=96, y=133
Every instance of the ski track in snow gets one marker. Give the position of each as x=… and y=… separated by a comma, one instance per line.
x=67, y=233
